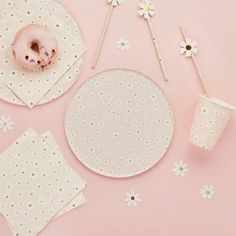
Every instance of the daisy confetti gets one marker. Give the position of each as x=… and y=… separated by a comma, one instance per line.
x=6, y=124
x=132, y=199
x=147, y=10
x=122, y=44
x=180, y=168
x=113, y=4
x=207, y=192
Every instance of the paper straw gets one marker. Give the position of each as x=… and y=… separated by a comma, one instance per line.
x=157, y=50
x=104, y=31
x=196, y=65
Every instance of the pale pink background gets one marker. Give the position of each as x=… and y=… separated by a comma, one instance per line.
x=170, y=205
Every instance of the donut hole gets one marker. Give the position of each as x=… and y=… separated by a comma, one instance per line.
x=53, y=52
x=35, y=47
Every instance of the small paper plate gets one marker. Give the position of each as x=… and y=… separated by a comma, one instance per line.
x=119, y=123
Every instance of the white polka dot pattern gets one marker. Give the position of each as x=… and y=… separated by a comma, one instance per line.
x=64, y=84
x=28, y=86
x=119, y=123
x=6, y=5
x=78, y=201
x=211, y=117
x=60, y=88
x=39, y=184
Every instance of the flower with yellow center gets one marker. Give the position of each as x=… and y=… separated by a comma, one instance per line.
x=147, y=9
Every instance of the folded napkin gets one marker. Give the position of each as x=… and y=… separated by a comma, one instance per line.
x=61, y=87
x=36, y=184
x=31, y=87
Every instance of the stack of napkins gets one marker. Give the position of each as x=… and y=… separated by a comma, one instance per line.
x=31, y=88
x=36, y=184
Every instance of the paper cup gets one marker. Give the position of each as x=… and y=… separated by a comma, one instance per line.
x=211, y=117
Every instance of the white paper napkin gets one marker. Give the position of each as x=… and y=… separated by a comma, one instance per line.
x=78, y=201
x=60, y=88
x=36, y=184
x=6, y=5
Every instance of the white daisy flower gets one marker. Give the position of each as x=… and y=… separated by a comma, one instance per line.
x=115, y=2
x=189, y=47
x=147, y=9
x=132, y=198
x=6, y=124
x=207, y=192
x=122, y=44
x=180, y=168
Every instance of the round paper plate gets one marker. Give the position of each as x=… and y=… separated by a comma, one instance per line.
x=56, y=16
x=119, y=123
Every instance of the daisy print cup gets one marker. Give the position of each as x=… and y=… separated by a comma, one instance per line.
x=211, y=117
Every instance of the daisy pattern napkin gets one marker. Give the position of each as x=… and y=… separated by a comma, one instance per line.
x=36, y=184
x=6, y=5
x=31, y=87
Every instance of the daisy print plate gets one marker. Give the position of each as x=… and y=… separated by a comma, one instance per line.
x=119, y=123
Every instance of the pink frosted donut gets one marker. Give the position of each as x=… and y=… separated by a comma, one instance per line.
x=35, y=48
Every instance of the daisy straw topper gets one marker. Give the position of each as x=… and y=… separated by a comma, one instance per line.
x=188, y=47
x=147, y=9
x=115, y=2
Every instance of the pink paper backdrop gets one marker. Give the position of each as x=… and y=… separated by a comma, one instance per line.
x=170, y=205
